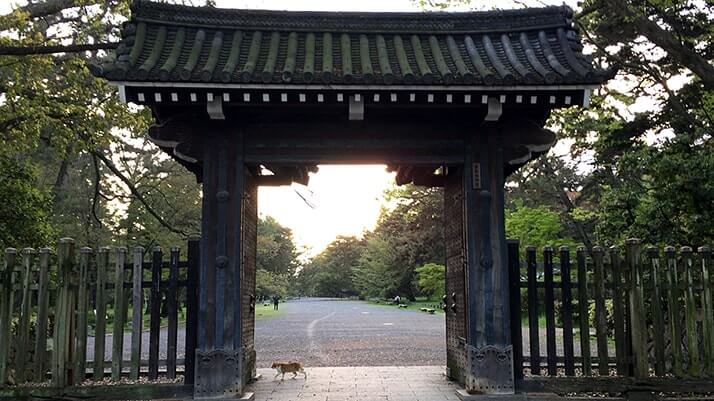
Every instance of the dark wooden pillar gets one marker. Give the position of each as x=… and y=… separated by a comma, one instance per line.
x=489, y=351
x=219, y=356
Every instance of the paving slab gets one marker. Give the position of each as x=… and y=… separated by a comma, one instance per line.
x=394, y=383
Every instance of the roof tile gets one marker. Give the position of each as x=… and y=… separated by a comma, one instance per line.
x=165, y=42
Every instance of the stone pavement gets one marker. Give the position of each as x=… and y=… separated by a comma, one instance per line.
x=372, y=383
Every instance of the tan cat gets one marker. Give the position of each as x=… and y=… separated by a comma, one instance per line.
x=288, y=367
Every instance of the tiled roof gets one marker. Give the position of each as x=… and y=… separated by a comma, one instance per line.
x=171, y=43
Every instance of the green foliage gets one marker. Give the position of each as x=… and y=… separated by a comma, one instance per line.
x=277, y=252
x=407, y=235
x=330, y=273
x=609, y=316
x=268, y=283
x=172, y=193
x=276, y=260
x=537, y=226
x=24, y=217
x=54, y=116
x=431, y=279
x=369, y=276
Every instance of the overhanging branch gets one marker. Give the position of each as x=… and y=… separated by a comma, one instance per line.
x=41, y=49
x=49, y=7
x=134, y=191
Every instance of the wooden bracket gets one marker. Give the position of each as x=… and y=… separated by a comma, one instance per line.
x=495, y=109
x=215, y=108
x=356, y=112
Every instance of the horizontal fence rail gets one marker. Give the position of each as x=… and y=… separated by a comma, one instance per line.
x=641, y=313
x=71, y=315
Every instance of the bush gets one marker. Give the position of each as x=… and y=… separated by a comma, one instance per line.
x=431, y=279
x=609, y=316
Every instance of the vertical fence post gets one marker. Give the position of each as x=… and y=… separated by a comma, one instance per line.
x=80, y=372
x=155, y=323
x=656, y=310
x=533, y=330
x=137, y=303
x=618, y=310
x=690, y=308
x=674, y=311
x=637, y=309
x=172, y=309
x=707, y=307
x=550, y=311
x=43, y=304
x=567, y=311
x=6, y=313
x=600, y=312
x=583, y=311
x=194, y=265
x=514, y=272
x=23, y=338
x=119, y=314
x=65, y=322
x=101, y=308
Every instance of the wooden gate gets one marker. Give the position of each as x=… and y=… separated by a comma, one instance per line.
x=72, y=315
x=604, y=320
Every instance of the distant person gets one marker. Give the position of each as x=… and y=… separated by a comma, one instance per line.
x=276, y=301
x=397, y=300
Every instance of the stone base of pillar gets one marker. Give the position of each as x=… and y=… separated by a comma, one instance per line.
x=219, y=374
x=490, y=370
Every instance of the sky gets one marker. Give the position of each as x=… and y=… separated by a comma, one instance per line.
x=345, y=200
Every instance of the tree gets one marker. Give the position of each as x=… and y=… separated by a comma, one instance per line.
x=276, y=260
x=86, y=147
x=536, y=226
x=407, y=235
x=24, y=218
x=431, y=279
x=268, y=283
x=277, y=252
x=330, y=273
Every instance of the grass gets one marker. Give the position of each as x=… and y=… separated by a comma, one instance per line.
x=261, y=312
x=266, y=312
x=417, y=305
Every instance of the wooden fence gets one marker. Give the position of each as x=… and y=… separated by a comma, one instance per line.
x=57, y=307
x=652, y=312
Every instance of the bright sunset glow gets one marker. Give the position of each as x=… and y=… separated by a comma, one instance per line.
x=346, y=200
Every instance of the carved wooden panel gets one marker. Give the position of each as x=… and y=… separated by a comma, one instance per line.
x=491, y=370
x=218, y=374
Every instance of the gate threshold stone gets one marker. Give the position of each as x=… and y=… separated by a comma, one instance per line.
x=465, y=396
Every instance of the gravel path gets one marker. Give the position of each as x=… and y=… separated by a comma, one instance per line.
x=322, y=332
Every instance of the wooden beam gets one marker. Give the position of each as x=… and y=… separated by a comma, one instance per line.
x=364, y=157
x=274, y=180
